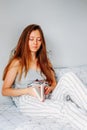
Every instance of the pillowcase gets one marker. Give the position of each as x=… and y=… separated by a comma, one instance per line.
x=80, y=71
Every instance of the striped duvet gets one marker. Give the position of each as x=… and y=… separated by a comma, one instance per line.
x=67, y=103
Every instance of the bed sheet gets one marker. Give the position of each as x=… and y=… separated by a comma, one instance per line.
x=12, y=119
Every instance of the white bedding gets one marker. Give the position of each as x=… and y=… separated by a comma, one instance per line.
x=12, y=119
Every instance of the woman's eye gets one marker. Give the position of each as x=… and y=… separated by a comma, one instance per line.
x=38, y=39
x=31, y=39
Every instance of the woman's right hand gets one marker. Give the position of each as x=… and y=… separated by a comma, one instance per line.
x=31, y=92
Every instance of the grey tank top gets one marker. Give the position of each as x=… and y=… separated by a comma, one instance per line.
x=31, y=76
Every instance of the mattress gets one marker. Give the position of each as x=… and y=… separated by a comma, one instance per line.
x=12, y=119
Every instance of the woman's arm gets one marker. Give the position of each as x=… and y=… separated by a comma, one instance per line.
x=7, y=89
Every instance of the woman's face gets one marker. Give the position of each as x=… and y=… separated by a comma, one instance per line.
x=34, y=41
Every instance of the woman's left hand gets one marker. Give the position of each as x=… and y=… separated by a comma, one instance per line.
x=48, y=89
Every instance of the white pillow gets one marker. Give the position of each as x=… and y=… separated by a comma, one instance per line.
x=80, y=71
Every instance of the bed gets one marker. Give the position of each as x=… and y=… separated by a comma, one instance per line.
x=12, y=119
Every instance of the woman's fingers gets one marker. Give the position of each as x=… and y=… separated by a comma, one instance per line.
x=47, y=90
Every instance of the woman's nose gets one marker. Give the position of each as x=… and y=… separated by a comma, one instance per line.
x=35, y=41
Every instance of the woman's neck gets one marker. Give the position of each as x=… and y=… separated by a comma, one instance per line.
x=33, y=56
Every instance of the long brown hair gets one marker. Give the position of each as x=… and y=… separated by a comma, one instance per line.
x=23, y=53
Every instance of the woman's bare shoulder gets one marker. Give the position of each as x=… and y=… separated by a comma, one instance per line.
x=15, y=63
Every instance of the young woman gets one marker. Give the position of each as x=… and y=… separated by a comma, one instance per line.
x=67, y=100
